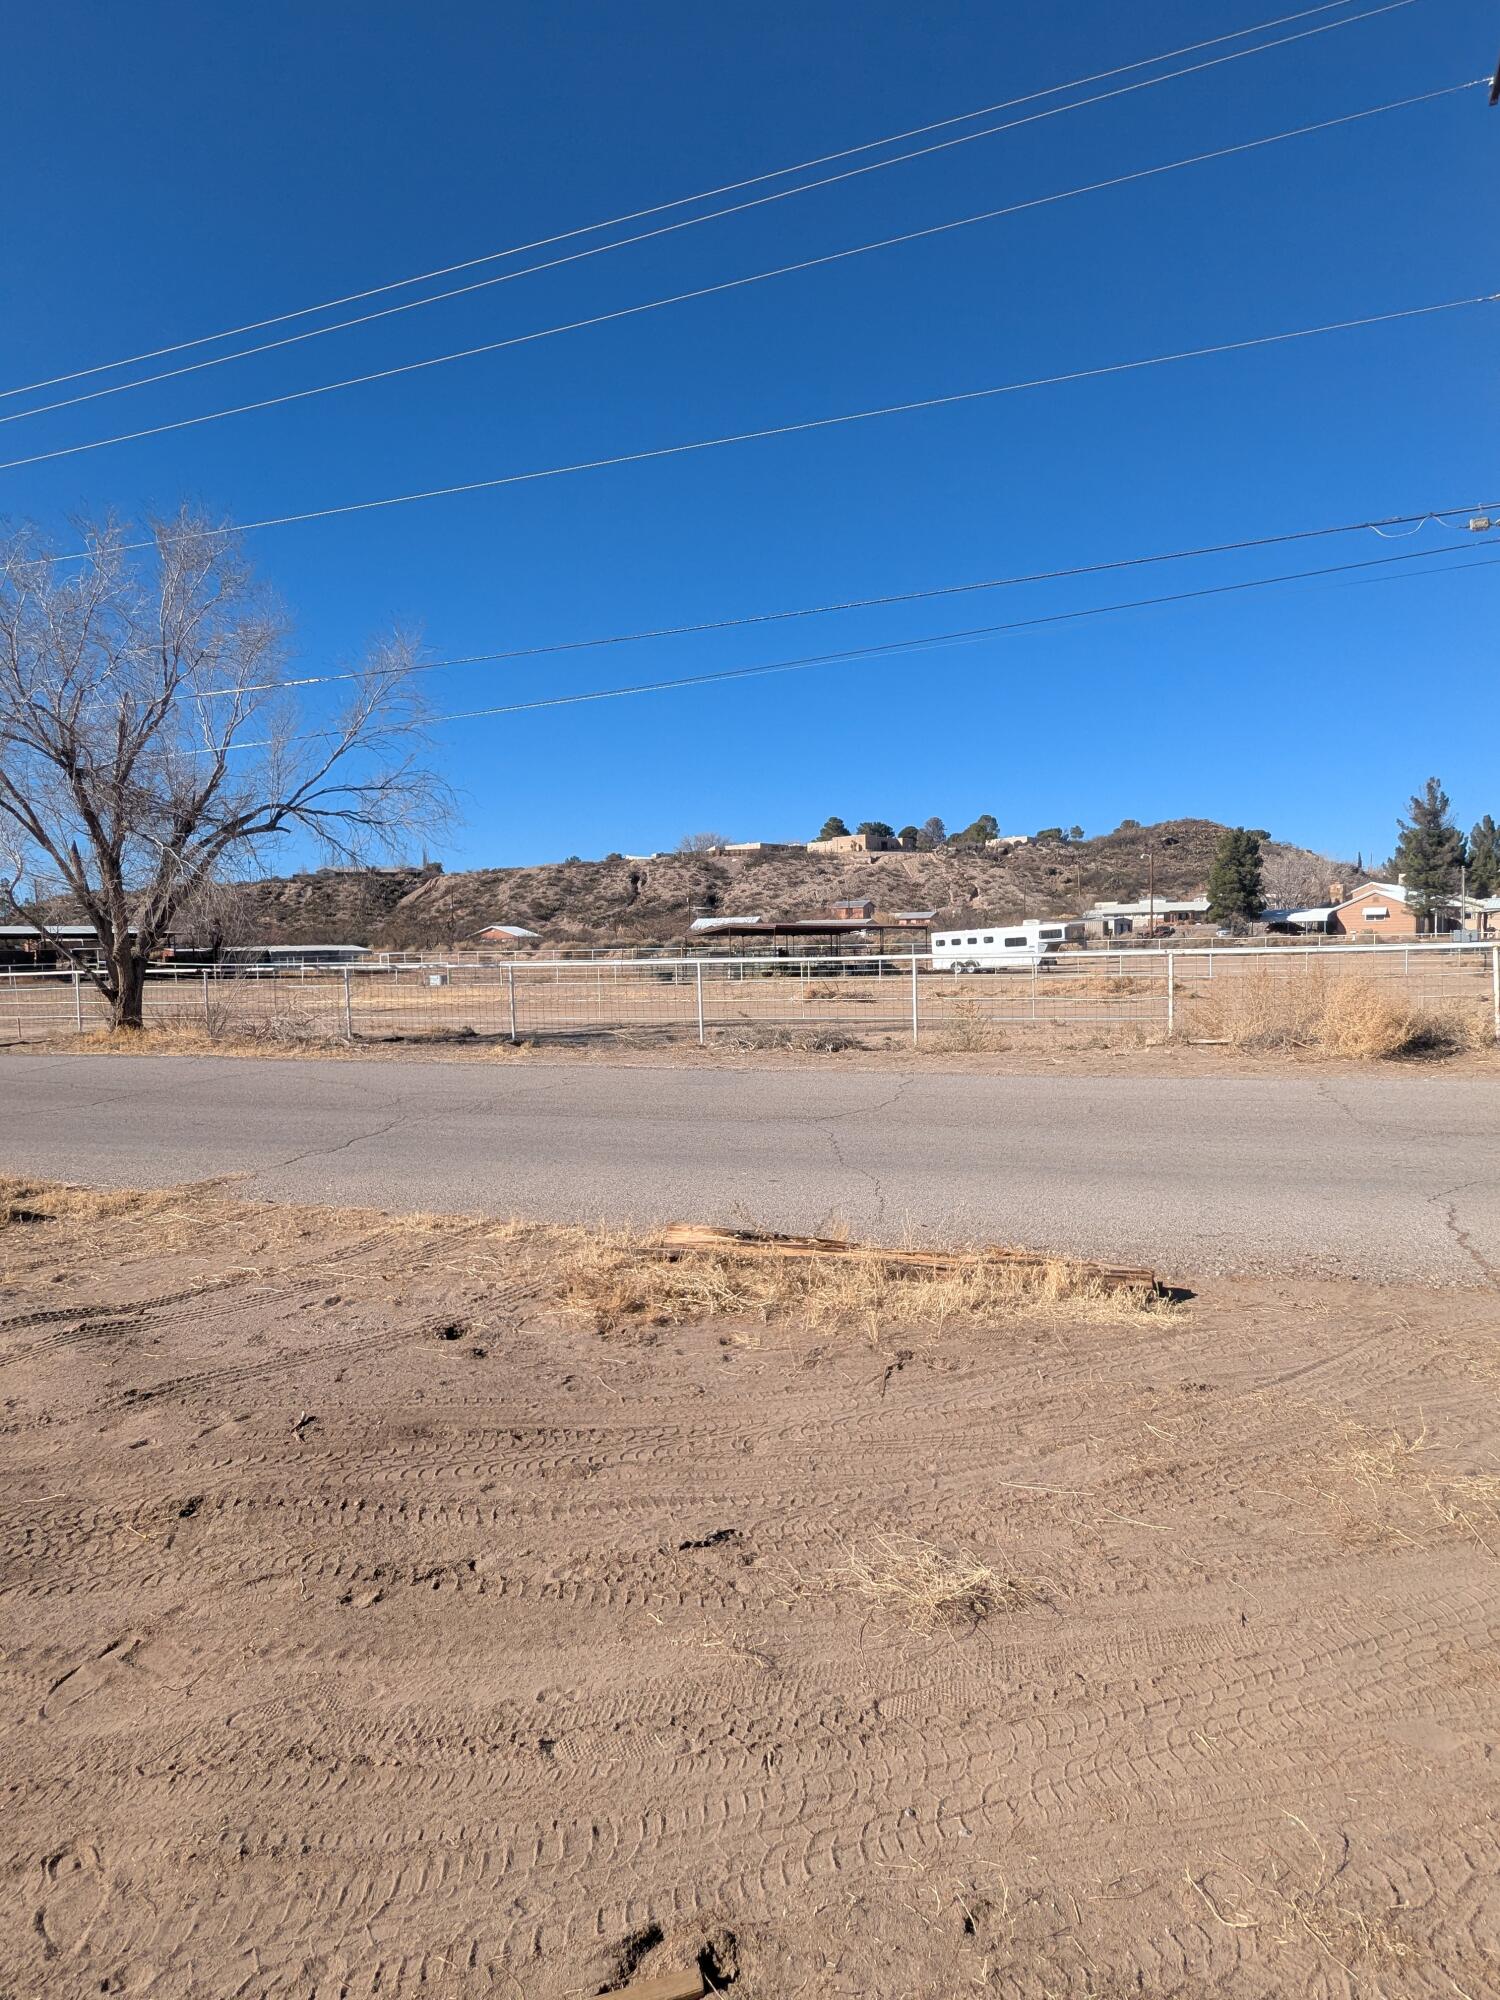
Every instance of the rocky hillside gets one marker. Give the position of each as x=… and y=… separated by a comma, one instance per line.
x=636, y=902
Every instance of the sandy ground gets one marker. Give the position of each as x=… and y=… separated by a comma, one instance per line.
x=372, y=1627
x=1137, y=1052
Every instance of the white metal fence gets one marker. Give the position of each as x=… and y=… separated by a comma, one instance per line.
x=749, y=1002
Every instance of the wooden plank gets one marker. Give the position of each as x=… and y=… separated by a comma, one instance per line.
x=685, y=1238
x=663, y=1986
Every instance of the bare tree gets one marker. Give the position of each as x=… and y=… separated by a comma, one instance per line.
x=702, y=843
x=1294, y=878
x=150, y=740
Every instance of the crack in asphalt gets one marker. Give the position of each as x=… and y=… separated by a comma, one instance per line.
x=342, y=1145
x=829, y=1119
x=1446, y=1198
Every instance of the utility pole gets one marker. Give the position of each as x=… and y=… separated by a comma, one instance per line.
x=1150, y=892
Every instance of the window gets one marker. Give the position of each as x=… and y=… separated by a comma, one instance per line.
x=1050, y=934
x=1013, y=941
x=989, y=940
x=1375, y=916
x=973, y=940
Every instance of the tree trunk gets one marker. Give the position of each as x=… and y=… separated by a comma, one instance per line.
x=126, y=1002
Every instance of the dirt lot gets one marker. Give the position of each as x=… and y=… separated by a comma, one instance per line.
x=452, y=1608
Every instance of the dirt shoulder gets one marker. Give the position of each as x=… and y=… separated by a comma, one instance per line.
x=1046, y=1053
x=455, y=1606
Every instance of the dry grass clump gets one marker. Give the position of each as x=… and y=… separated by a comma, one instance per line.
x=102, y=1231
x=859, y=991
x=1288, y=1910
x=619, y=1281
x=280, y=1036
x=930, y=1587
x=966, y=1030
x=794, y=1041
x=615, y=1280
x=1330, y=1011
x=1391, y=1488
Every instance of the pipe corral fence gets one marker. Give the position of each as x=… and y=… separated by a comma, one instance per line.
x=745, y=1002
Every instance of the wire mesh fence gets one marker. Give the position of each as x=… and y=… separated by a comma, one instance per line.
x=751, y=1002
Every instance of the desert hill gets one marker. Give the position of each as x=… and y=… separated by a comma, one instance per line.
x=620, y=900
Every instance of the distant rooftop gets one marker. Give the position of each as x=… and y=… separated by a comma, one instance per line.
x=1156, y=906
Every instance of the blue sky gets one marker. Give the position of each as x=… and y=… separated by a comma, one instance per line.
x=173, y=169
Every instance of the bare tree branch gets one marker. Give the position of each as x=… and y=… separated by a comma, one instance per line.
x=149, y=742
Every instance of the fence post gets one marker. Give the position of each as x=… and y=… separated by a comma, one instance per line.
x=348, y=1009
x=207, y=1016
x=1171, y=993
x=78, y=1001
x=915, y=1024
x=510, y=980
x=699, y=970
x=1495, y=988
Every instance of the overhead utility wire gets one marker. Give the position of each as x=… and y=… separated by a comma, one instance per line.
x=683, y=201
x=691, y=222
x=942, y=639
x=724, y=285
x=1413, y=523
x=931, y=642
x=814, y=423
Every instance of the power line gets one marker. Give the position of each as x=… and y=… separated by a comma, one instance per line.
x=971, y=635
x=709, y=291
x=1413, y=523
x=818, y=423
x=705, y=194
x=692, y=222
x=934, y=641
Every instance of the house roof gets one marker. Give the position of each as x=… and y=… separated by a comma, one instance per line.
x=1159, y=905
x=54, y=930
x=1382, y=892
x=506, y=930
x=778, y=927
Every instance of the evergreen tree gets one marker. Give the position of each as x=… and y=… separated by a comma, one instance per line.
x=1234, y=891
x=986, y=827
x=882, y=829
x=833, y=828
x=1484, y=858
x=934, y=833
x=1430, y=850
x=910, y=836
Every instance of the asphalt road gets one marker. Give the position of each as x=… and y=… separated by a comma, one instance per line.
x=1389, y=1177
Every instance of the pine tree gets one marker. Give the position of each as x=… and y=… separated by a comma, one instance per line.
x=833, y=828
x=1234, y=892
x=1484, y=858
x=1430, y=850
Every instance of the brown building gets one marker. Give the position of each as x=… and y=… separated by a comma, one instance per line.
x=1379, y=910
x=859, y=908
x=855, y=843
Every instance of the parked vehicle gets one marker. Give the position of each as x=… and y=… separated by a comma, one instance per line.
x=1003, y=948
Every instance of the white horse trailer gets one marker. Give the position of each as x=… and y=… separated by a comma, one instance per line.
x=1003, y=948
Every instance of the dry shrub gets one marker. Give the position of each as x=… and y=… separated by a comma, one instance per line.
x=856, y=990
x=929, y=1587
x=1330, y=1011
x=967, y=1031
x=792, y=1041
x=620, y=1280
